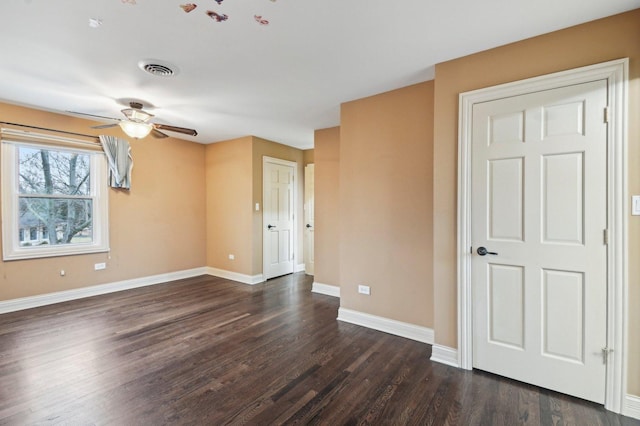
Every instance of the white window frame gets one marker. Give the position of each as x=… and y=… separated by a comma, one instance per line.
x=11, y=249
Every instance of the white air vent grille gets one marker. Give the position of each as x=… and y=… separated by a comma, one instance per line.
x=158, y=68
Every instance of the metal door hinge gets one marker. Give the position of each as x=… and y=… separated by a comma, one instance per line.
x=605, y=354
x=606, y=114
x=605, y=236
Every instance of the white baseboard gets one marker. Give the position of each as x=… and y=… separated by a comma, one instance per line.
x=326, y=289
x=96, y=290
x=398, y=328
x=235, y=276
x=300, y=267
x=631, y=406
x=444, y=355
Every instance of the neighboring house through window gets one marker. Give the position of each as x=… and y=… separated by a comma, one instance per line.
x=54, y=197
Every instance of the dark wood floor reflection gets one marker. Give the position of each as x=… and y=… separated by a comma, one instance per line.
x=207, y=351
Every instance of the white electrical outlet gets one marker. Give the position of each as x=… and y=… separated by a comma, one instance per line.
x=62, y=273
x=364, y=289
x=99, y=266
x=232, y=257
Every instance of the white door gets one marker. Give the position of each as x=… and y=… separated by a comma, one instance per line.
x=309, y=260
x=539, y=208
x=278, y=217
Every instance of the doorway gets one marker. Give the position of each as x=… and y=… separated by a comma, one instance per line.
x=278, y=217
x=309, y=219
x=612, y=237
x=539, y=194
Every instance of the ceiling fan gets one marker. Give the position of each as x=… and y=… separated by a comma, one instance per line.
x=136, y=124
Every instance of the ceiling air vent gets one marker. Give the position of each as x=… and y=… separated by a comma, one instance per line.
x=158, y=68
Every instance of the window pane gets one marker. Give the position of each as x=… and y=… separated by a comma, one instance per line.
x=43, y=171
x=55, y=221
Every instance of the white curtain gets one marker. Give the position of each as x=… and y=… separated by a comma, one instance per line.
x=118, y=153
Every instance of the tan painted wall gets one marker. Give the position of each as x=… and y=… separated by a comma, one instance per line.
x=308, y=156
x=386, y=204
x=234, y=186
x=229, y=177
x=262, y=148
x=155, y=228
x=327, y=210
x=598, y=41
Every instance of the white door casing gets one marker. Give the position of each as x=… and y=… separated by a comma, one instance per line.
x=615, y=73
x=309, y=215
x=278, y=217
x=539, y=207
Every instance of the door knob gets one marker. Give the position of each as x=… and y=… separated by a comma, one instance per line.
x=309, y=226
x=270, y=227
x=482, y=251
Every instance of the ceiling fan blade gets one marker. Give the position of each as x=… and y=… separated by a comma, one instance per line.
x=182, y=130
x=93, y=115
x=104, y=126
x=158, y=134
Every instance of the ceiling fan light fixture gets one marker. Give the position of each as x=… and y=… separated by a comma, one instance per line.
x=136, y=130
x=136, y=115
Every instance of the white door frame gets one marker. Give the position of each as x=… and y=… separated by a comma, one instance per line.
x=616, y=74
x=294, y=166
x=308, y=240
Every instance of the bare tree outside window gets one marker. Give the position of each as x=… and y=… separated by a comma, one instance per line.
x=55, y=203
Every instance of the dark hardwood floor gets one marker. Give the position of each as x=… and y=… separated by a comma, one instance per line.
x=207, y=351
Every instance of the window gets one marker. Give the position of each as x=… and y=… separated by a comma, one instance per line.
x=54, y=198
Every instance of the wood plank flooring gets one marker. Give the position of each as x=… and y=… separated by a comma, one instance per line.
x=207, y=351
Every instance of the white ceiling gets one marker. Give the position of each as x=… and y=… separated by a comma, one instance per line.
x=236, y=78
